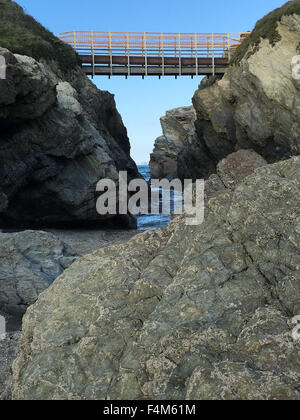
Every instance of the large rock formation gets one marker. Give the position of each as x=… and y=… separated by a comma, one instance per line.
x=257, y=103
x=186, y=312
x=178, y=126
x=29, y=262
x=59, y=136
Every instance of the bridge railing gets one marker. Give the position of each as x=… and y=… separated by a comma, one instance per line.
x=153, y=44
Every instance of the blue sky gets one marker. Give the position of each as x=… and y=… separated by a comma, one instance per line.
x=142, y=102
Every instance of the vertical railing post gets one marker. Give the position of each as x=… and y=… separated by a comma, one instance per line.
x=146, y=56
x=228, y=46
x=196, y=52
x=163, y=54
x=110, y=53
x=179, y=47
x=159, y=46
x=93, y=53
x=128, y=55
x=74, y=40
x=213, y=53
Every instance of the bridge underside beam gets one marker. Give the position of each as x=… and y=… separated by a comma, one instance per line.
x=156, y=61
x=151, y=71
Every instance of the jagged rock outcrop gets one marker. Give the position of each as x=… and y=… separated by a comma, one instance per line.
x=29, y=262
x=256, y=105
x=186, y=312
x=178, y=133
x=59, y=135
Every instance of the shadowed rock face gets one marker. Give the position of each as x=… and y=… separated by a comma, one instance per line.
x=178, y=132
x=256, y=105
x=3, y=202
x=59, y=136
x=186, y=312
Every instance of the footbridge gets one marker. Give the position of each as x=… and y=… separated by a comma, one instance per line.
x=153, y=54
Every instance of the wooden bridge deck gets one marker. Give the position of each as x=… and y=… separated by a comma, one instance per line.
x=153, y=54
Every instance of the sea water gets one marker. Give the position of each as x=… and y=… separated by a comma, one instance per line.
x=154, y=221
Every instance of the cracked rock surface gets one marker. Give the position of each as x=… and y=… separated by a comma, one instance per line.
x=256, y=105
x=186, y=312
x=59, y=136
x=178, y=126
x=8, y=352
x=29, y=262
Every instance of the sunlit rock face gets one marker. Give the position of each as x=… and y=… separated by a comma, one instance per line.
x=186, y=312
x=256, y=105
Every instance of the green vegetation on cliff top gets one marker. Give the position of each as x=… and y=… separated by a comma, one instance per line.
x=22, y=34
x=266, y=28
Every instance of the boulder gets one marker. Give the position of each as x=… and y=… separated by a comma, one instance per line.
x=237, y=166
x=232, y=170
x=186, y=312
x=29, y=262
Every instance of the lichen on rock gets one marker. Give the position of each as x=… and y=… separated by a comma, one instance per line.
x=30, y=261
x=201, y=312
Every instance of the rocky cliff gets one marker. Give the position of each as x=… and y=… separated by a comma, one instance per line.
x=257, y=103
x=190, y=312
x=59, y=134
x=202, y=312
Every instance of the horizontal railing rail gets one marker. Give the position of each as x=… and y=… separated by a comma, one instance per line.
x=169, y=44
x=141, y=48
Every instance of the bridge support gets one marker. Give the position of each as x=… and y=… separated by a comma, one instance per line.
x=152, y=71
